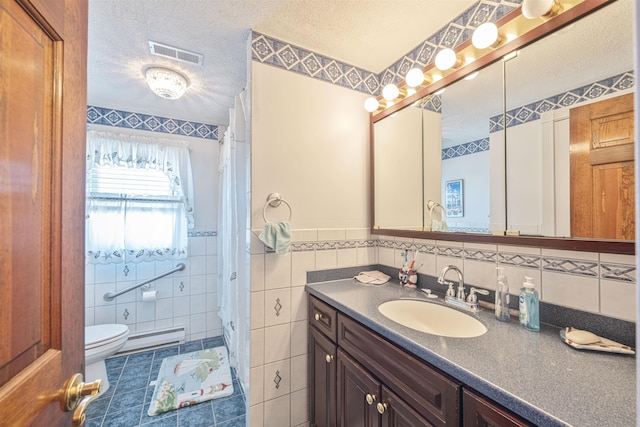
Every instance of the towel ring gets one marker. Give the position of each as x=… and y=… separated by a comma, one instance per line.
x=274, y=201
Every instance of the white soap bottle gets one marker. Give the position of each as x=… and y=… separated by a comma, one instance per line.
x=502, y=296
x=529, y=306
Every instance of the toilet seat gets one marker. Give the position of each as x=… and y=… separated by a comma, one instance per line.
x=100, y=335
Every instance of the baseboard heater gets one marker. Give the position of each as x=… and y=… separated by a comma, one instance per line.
x=154, y=339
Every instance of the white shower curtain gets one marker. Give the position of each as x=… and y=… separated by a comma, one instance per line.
x=232, y=286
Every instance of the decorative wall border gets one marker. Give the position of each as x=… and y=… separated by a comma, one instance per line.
x=269, y=50
x=531, y=112
x=202, y=234
x=465, y=149
x=138, y=121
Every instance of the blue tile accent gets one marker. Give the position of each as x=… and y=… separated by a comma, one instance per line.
x=131, y=120
x=202, y=233
x=227, y=408
x=465, y=149
x=200, y=415
x=531, y=112
x=268, y=50
x=236, y=422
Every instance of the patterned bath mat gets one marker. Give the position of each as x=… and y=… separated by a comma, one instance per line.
x=191, y=378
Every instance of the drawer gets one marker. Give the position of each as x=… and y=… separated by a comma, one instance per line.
x=323, y=317
x=425, y=389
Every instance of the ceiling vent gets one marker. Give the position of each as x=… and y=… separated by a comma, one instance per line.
x=163, y=50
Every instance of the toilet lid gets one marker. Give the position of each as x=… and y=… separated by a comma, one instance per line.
x=100, y=334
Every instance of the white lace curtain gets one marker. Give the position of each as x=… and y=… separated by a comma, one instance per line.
x=134, y=228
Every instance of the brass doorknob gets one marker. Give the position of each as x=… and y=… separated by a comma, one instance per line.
x=370, y=398
x=382, y=407
x=76, y=396
x=328, y=358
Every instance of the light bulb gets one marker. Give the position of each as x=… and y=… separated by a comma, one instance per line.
x=415, y=77
x=390, y=92
x=532, y=9
x=486, y=35
x=472, y=76
x=371, y=104
x=446, y=59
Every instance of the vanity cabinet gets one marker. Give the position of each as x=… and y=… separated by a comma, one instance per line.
x=358, y=378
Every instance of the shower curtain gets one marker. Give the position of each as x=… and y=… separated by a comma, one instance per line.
x=231, y=228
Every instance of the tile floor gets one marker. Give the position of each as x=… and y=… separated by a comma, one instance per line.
x=126, y=402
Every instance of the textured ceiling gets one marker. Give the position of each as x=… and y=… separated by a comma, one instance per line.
x=371, y=34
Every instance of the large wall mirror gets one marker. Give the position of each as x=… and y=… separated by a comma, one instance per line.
x=540, y=180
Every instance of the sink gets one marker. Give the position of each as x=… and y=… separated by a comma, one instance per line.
x=432, y=318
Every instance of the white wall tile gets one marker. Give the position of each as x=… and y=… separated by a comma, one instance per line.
x=347, y=257
x=277, y=380
x=618, y=299
x=198, y=284
x=277, y=306
x=571, y=291
x=89, y=274
x=256, y=415
x=212, y=264
x=277, y=271
x=105, y=314
x=181, y=306
x=366, y=256
x=126, y=313
x=299, y=339
x=516, y=277
x=89, y=295
x=386, y=256
x=164, y=287
x=256, y=387
x=257, y=310
x=126, y=272
x=301, y=262
x=197, y=246
x=257, y=272
x=478, y=273
x=105, y=273
x=277, y=412
x=588, y=256
x=326, y=259
x=331, y=234
x=618, y=258
x=299, y=407
x=257, y=247
x=145, y=311
x=89, y=319
x=198, y=304
x=212, y=245
x=299, y=377
x=197, y=265
x=299, y=303
x=357, y=234
x=164, y=308
x=198, y=323
x=181, y=286
x=128, y=296
x=307, y=235
x=257, y=348
x=277, y=343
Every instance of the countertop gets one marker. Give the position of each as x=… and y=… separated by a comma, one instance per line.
x=534, y=374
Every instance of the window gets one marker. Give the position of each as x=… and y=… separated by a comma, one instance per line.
x=138, y=204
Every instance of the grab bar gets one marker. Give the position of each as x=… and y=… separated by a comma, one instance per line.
x=110, y=295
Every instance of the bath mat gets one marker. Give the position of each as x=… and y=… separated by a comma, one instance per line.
x=191, y=378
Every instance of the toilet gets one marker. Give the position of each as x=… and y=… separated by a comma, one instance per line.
x=100, y=342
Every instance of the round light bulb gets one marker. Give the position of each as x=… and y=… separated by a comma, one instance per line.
x=532, y=9
x=441, y=91
x=390, y=92
x=472, y=76
x=415, y=77
x=371, y=104
x=446, y=59
x=485, y=35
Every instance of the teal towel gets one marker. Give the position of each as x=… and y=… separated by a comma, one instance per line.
x=277, y=236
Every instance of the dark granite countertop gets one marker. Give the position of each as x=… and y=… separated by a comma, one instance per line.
x=534, y=374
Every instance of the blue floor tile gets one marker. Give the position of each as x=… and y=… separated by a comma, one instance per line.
x=130, y=376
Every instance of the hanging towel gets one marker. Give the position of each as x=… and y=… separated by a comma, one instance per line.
x=277, y=236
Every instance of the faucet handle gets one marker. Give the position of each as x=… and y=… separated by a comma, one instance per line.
x=473, y=298
x=450, y=292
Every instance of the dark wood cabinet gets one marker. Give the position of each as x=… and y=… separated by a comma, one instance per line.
x=480, y=412
x=359, y=379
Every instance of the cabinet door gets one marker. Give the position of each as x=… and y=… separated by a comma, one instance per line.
x=480, y=412
x=322, y=379
x=396, y=413
x=358, y=394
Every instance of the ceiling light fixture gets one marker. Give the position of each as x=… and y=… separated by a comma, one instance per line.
x=532, y=9
x=166, y=83
x=446, y=59
x=486, y=35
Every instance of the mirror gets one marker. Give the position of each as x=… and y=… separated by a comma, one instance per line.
x=593, y=49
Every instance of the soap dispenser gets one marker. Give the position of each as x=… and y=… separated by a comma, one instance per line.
x=502, y=296
x=529, y=306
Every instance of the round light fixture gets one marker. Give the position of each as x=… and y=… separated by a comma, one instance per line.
x=415, y=77
x=532, y=9
x=390, y=92
x=446, y=59
x=371, y=104
x=166, y=83
x=486, y=35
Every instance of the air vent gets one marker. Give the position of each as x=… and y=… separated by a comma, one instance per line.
x=174, y=53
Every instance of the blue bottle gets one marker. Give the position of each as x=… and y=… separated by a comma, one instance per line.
x=529, y=306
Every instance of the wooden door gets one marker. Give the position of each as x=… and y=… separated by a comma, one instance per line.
x=396, y=412
x=602, y=170
x=42, y=149
x=322, y=379
x=358, y=394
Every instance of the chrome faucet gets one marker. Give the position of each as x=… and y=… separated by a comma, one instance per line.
x=450, y=292
x=459, y=299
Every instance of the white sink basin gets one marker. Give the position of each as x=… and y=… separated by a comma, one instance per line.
x=432, y=318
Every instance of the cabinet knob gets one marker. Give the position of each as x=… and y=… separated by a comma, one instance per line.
x=371, y=398
x=328, y=358
x=382, y=407
x=317, y=316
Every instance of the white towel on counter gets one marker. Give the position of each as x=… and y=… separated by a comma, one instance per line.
x=374, y=277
